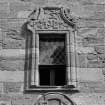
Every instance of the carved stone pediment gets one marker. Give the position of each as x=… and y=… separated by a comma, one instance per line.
x=51, y=18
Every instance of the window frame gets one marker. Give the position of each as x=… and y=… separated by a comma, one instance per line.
x=32, y=58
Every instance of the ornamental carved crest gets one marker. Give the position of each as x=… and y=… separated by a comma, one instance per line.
x=51, y=18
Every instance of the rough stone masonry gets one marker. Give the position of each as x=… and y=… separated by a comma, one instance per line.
x=90, y=50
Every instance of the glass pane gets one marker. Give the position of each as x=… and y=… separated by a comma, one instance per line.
x=52, y=49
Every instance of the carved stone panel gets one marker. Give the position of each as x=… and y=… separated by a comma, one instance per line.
x=51, y=18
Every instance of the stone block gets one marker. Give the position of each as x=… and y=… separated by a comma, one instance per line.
x=5, y=102
x=12, y=87
x=99, y=1
x=9, y=1
x=1, y=40
x=40, y=2
x=100, y=49
x=82, y=49
x=92, y=56
x=81, y=60
x=4, y=10
x=85, y=2
x=101, y=57
x=79, y=11
x=4, y=15
x=1, y=88
x=95, y=7
x=15, y=24
x=83, y=32
x=83, y=23
x=26, y=99
x=3, y=24
x=23, y=14
x=26, y=0
x=92, y=37
x=88, y=12
x=11, y=76
x=4, y=6
x=86, y=98
x=98, y=16
x=13, y=44
x=87, y=74
x=92, y=40
x=12, y=65
x=13, y=40
x=16, y=7
x=94, y=64
x=101, y=32
x=12, y=54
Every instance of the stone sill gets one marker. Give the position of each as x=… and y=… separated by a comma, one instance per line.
x=70, y=88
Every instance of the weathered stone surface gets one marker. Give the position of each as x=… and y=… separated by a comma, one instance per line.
x=100, y=49
x=16, y=7
x=5, y=102
x=89, y=47
x=12, y=87
x=3, y=24
x=94, y=64
x=4, y=6
x=87, y=74
x=12, y=54
x=22, y=100
x=91, y=87
x=92, y=56
x=4, y=9
x=90, y=12
x=92, y=41
x=83, y=32
x=23, y=14
x=81, y=60
x=89, y=98
x=13, y=44
x=78, y=8
x=12, y=65
x=90, y=2
x=97, y=58
x=1, y=88
x=13, y=40
x=9, y=1
x=14, y=24
x=83, y=2
x=1, y=40
x=12, y=76
x=83, y=23
x=82, y=49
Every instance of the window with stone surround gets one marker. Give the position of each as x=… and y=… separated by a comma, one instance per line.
x=48, y=57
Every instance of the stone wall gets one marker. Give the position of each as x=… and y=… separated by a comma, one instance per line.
x=90, y=48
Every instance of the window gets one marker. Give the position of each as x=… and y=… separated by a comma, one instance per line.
x=48, y=60
x=52, y=59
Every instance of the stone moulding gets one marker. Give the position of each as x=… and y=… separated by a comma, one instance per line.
x=49, y=20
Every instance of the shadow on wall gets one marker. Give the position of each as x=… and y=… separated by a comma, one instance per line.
x=25, y=31
x=27, y=35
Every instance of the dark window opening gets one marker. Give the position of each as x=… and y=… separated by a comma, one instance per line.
x=52, y=75
x=52, y=59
